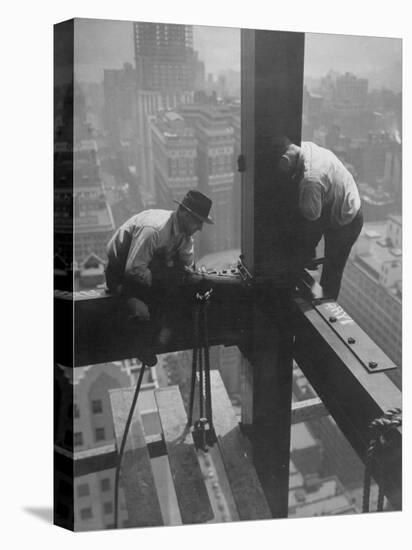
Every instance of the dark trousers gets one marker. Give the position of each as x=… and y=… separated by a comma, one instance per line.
x=153, y=308
x=338, y=244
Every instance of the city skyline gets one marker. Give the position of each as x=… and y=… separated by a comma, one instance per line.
x=108, y=44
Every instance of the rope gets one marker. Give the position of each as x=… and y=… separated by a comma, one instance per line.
x=123, y=444
x=380, y=428
x=194, y=364
x=201, y=363
x=209, y=415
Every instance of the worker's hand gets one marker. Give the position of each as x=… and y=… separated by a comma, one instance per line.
x=137, y=310
x=168, y=278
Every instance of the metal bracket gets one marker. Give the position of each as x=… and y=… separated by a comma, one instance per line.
x=363, y=347
x=241, y=163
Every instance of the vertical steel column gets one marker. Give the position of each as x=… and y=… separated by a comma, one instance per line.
x=272, y=87
x=272, y=392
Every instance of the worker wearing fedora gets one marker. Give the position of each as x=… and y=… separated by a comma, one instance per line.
x=146, y=257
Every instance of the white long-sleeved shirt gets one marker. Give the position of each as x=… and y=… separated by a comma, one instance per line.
x=139, y=239
x=325, y=182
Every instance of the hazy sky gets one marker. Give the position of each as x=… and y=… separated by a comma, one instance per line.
x=108, y=44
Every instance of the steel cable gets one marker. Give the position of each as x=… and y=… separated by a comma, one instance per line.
x=123, y=444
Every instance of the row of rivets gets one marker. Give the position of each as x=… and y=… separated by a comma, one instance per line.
x=351, y=340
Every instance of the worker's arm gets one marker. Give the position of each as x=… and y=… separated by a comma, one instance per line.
x=141, y=252
x=309, y=228
x=185, y=253
x=311, y=198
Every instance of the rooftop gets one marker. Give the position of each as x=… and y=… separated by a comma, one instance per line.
x=382, y=254
x=301, y=437
x=96, y=220
x=172, y=125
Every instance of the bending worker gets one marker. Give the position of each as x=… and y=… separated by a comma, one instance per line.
x=146, y=258
x=329, y=205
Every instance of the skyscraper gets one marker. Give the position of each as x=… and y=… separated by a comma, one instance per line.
x=168, y=72
x=164, y=56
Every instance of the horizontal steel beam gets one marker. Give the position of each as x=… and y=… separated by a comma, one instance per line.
x=353, y=395
x=101, y=332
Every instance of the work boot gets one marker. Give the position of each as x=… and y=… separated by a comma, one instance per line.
x=147, y=357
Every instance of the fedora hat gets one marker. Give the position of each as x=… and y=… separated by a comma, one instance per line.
x=198, y=205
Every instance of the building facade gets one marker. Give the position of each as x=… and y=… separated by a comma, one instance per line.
x=120, y=109
x=351, y=92
x=174, y=149
x=93, y=220
x=372, y=286
x=88, y=392
x=216, y=164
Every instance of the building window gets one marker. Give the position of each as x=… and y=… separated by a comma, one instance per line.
x=76, y=410
x=83, y=490
x=108, y=507
x=99, y=434
x=86, y=513
x=105, y=484
x=78, y=439
x=97, y=406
